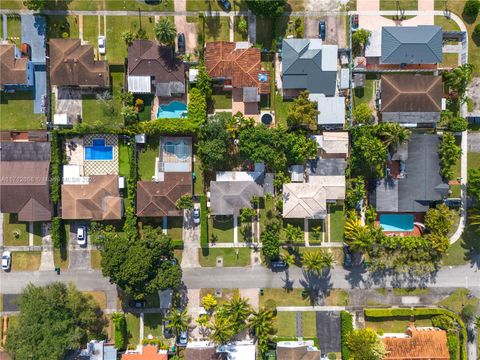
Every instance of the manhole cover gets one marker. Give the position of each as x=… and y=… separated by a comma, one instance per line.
x=218, y=293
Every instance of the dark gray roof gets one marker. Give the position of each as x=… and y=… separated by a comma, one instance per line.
x=412, y=44
x=24, y=151
x=307, y=64
x=229, y=197
x=327, y=167
x=423, y=183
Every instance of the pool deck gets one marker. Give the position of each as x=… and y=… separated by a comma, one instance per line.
x=75, y=156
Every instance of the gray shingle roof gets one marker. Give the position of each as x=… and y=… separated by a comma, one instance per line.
x=307, y=64
x=229, y=197
x=412, y=44
x=24, y=151
x=327, y=167
x=423, y=184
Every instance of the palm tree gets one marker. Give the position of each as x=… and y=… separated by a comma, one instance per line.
x=165, y=31
x=261, y=323
x=178, y=321
x=221, y=329
x=293, y=233
x=317, y=261
x=237, y=311
x=393, y=133
x=474, y=218
x=289, y=259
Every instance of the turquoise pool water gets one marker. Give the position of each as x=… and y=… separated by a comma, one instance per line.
x=98, y=151
x=396, y=222
x=180, y=149
x=174, y=110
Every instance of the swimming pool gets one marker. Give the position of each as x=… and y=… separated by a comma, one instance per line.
x=98, y=151
x=180, y=149
x=174, y=110
x=396, y=222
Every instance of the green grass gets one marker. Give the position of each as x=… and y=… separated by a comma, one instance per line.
x=463, y=249
x=245, y=233
x=14, y=29
x=221, y=229
x=314, y=236
x=473, y=160
x=410, y=291
x=17, y=112
x=364, y=94
x=60, y=258
x=90, y=30
x=238, y=35
x=404, y=5
x=37, y=234
x=281, y=109
x=95, y=259
x=286, y=323
x=11, y=225
x=457, y=300
x=133, y=328
x=198, y=183
x=267, y=212
x=446, y=24
x=146, y=159
x=449, y=60
x=337, y=222
x=123, y=164
x=222, y=101
x=11, y=4
x=153, y=325
x=309, y=324
x=217, y=28
x=175, y=227
x=284, y=298
x=212, y=5
x=296, y=223
x=95, y=112
x=394, y=325
x=58, y=25
x=116, y=25
x=208, y=257
x=146, y=112
x=227, y=294
x=26, y=260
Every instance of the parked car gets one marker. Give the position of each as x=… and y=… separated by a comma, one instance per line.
x=196, y=216
x=137, y=304
x=26, y=51
x=182, y=339
x=6, y=260
x=279, y=265
x=225, y=4
x=181, y=43
x=322, y=30
x=167, y=332
x=82, y=235
x=102, y=45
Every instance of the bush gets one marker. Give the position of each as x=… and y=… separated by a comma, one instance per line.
x=58, y=233
x=56, y=165
x=203, y=222
x=453, y=343
x=444, y=322
x=120, y=324
x=457, y=124
x=165, y=126
x=130, y=224
x=383, y=313
x=362, y=114
x=346, y=322
x=471, y=8
x=197, y=107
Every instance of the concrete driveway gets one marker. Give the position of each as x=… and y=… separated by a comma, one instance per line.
x=336, y=29
x=188, y=29
x=79, y=258
x=191, y=240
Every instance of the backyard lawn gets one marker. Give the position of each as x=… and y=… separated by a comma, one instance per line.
x=26, y=260
x=222, y=101
x=394, y=325
x=146, y=158
x=95, y=259
x=153, y=325
x=208, y=257
x=59, y=26
x=336, y=222
x=364, y=94
x=104, y=112
x=123, y=163
x=17, y=112
x=146, y=113
x=133, y=328
x=221, y=229
x=281, y=109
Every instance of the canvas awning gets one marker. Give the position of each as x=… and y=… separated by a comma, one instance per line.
x=139, y=84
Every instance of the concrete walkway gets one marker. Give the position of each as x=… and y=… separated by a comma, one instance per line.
x=142, y=327
x=30, y=233
x=47, y=262
x=191, y=240
x=310, y=308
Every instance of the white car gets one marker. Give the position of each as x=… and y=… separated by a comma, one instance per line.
x=102, y=45
x=196, y=216
x=82, y=235
x=6, y=260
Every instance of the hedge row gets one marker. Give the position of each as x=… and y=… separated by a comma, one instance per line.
x=346, y=322
x=120, y=335
x=203, y=222
x=164, y=126
x=130, y=225
x=382, y=313
x=58, y=233
x=56, y=164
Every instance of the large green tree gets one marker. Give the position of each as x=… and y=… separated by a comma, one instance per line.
x=473, y=187
x=318, y=261
x=449, y=153
x=204, y=82
x=214, y=144
x=270, y=244
x=458, y=78
x=237, y=312
x=53, y=320
x=35, y=4
x=261, y=324
x=439, y=220
x=267, y=8
x=303, y=112
x=392, y=133
x=359, y=40
x=165, y=31
x=365, y=344
x=471, y=8
x=142, y=266
x=221, y=330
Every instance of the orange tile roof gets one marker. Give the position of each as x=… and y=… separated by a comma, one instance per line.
x=224, y=60
x=149, y=352
x=422, y=344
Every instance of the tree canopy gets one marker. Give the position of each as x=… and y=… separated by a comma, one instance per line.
x=142, y=266
x=303, y=112
x=214, y=144
x=359, y=40
x=458, y=78
x=35, y=4
x=267, y=8
x=365, y=344
x=474, y=183
x=165, y=31
x=363, y=114
x=53, y=320
x=449, y=153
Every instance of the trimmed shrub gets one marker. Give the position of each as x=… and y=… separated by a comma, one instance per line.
x=197, y=107
x=444, y=322
x=120, y=335
x=177, y=244
x=471, y=8
x=56, y=165
x=58, y=233
x=346, y=323
x=453, y=343
x=203, y=222
x=165, y=126
x=383, y=313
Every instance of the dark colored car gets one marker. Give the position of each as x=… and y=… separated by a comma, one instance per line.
x=279, y=265
x=138, y=304
x=166, y=331
x=225, y=4
x=26, y=51
x=322, y=30
x=181, y=43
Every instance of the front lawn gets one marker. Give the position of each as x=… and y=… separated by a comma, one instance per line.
x=90, y=30
x=473, y=160
x=146, y=158
x=462, y=251
x=95, y=259
x=226, y=294
x=26, y=260
x=298, y=223
x=14, y=29
x=281, y=109
x=217, y=28
x=196, y=5
x=458, y=299
x=153, y=325
x=309, y=324
x=286, y=323
x=404, y=5
x=59, y=26
x=60, y=258
x=446, y=24
x=336, y=222
x=175, y=227
x=99, y=297
x=15, y=233
x=315, y=231
x=267, y=211
x=239, y=35
x=133, y=328
x=17, y=112
x=221, y=229
x=282, y=297
x=208, y=257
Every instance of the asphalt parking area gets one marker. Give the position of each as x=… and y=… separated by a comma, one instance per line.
x=328, y=331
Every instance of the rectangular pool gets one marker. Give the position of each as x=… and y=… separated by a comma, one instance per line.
x=397, y=222
x=98, y=151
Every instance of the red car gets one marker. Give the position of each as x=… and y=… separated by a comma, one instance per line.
x=26, y=51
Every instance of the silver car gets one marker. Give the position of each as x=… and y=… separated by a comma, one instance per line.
x=196, y=216
x=6, y=260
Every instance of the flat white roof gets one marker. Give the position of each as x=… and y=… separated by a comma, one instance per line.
x=139, y=84
x=374, y=44
x=60, y=119
x=332, y=109
x=71, y=175
x=238, y=351
x=237, y=175
x=329, y=57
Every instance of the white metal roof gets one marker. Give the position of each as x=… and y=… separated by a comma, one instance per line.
x=60, y=119
x=332, y=109
x=139, y=84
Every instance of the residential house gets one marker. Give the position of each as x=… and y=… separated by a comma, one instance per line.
x=308, y=64
x=172, y=179
x=405, y=47
x=332, y=155
x=411, y=100
x=15, y=70
x=154, y=69
x=97, y=350
x=331, y=111
x=24, y=180
x=72, y=64
x=422, y=343
x=297, y=350
x=413, y=182
x=203, y=350
x=146, y=352
x=238, y=68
